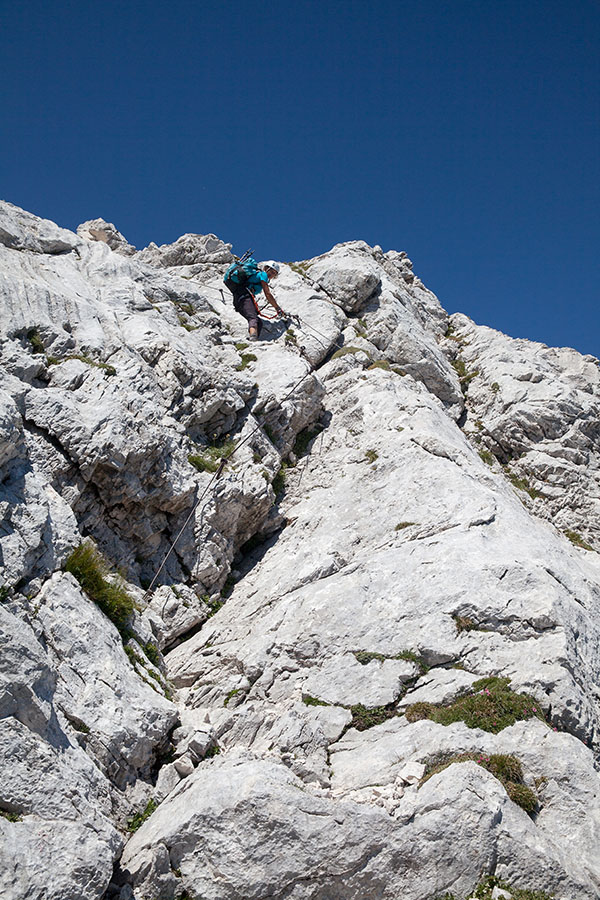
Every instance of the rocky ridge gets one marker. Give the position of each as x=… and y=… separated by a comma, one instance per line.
x=413, y=508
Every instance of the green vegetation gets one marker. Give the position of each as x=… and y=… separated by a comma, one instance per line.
x=487, y=457
x=371, y=455
x=495, y=387
x=464, y=376
x=304, y=437
x=507, y=769
x=211, y=456
x=491, y=705
x=577, y=540
x=35, y=340
x=5, y=591
x=278, y=483
x=212, y=751
x=89, y=567
x=185, y=324
x=299, y=268
x=11, y=816
x=247, y=358
x=230, y=695
x=290, y=337
x=269, y=433
x=343, y=351
x=151, y=651
x=313, y=701
x=402, y=525
x=464, y=623
x=364, y=657
x=55, y=361
x=136, y=821
x=521, y=483
x=215, y=604
x=363, y=718
x=380, y=364
x=485, y=888
x=241, y=345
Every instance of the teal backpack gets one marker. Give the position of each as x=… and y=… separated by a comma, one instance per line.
x=241, y=274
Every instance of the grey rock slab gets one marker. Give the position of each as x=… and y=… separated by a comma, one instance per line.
x=344, y=681
x=127, y=718
x=21, y=230
x=438, y=686
x=100, y=230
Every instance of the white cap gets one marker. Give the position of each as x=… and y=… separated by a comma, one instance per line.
x=271, y=265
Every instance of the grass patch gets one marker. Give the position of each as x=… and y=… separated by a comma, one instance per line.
x=241, y=345
x=5, y=592
x=363, y=718
x=371, y=455
x=55, y=361
x=344, y=351
x=402, y=525
x=290, y=337
x=490, y=705
x=487, y=457
x=380, y=364
x=313, y=701
x=278, y=483
x=247, y=358
x=364, y=657
x=304, y=437
x=211, y=456
x=35, y=340
x=269, y=433
x=212, y=751
x=495, y=387
x=10, y=816
x=521, y=483
x=233, y=693
x=151, y=651
x=138, y=820
x=90, y=568
x=507, y=769
x=464, y=376
x=577, y=540
x=464, y=623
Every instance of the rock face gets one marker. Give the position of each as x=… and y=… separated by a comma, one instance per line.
x=405, y=521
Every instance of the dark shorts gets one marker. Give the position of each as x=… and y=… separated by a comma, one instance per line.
x=244, y=304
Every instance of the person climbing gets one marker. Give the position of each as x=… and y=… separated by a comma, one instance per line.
x=245, y=280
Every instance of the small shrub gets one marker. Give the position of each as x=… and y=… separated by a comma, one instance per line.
x=487, y=457
x=247, y=358
x=136, y=821
x=230, y=695
x=464, y=376
x=371, y=455
x=464, y=623
x=313, y=701
x=241, y=345
x=212, y=751
x=415, y=658
x=402, y=525
x=491, y=705
x=278, y=482
x=35, y=340
x=10, y=816
x=202, y=464
x=304, y=437
x=577, y=540
x=89, y=567
x=495, y=387
x=151, y=651
x=363, y=717
x=485, y=888
x=5, y=592
x=290, y=337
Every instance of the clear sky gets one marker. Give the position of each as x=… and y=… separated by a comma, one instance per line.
x=465, y=132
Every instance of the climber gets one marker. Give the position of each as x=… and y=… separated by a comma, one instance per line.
x=245, y=280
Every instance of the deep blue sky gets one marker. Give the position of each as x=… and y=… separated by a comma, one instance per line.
x=465, y=132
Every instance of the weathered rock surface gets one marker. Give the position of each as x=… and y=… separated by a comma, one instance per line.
x=361, y=551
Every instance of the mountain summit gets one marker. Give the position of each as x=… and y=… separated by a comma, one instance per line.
x=311, y=619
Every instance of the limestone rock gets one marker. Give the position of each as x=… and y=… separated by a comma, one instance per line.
x=100, y=230
x=187, y=250
x=20, y=230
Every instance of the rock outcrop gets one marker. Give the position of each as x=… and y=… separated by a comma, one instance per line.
x=339, y=637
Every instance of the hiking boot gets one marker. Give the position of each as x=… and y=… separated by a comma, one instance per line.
x=252, y=337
